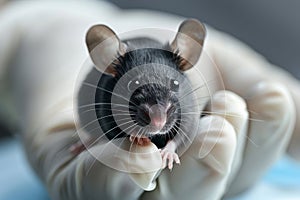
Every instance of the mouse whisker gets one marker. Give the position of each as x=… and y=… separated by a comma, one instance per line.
x=104, y=145
x=88, y=124
x=191, y=113
x=185, y=135
x=95, y=104
x=196, y=103
x=130, y=147
x=128, y=118
x=123, y=119
x=117, y=114
x=83, y=127
x=222, y=113
x=184, y=120
x=130, y=132
x=100, y=88
x=94, y=109
x=195, y=89
x=94, y=142
x=201, y=98
x=232, y=115
x=251, y=119
x=190, y=106
x=194, y=114
x=177, y=132
x=140, y=134
x=97, y=119
x=184, y=125
x=196, y=98
x=135, y=136
x=102, y=103
x=208, y=82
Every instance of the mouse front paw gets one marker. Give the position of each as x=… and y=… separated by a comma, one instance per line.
x=143, y=141
x=168, y=158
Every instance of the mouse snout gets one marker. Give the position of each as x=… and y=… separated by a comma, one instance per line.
x=158, y=117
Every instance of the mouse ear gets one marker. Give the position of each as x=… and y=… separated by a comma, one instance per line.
x=188, y=42
x=104, y=47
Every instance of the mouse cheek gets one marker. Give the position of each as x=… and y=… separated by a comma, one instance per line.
x=144, y=119
x=171, y=110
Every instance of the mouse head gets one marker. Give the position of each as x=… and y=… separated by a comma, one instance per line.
x=151, y=75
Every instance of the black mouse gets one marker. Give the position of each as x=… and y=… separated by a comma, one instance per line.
x=143, y=93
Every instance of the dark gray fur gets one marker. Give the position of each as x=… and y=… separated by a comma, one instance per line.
x=160, y=65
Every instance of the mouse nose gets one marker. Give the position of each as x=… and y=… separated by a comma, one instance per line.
x=158, y=116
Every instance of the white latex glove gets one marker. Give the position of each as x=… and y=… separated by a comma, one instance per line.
x=247, y=130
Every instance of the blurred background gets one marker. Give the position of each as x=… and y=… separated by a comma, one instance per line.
x=271, y=27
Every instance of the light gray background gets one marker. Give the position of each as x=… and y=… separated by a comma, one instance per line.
x=271, y=27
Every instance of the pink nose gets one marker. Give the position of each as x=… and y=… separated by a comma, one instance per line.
x=158, y=123
x=158, y=116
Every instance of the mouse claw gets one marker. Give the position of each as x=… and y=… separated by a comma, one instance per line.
x=131, y=138
x=143, y=141
x=168, y=158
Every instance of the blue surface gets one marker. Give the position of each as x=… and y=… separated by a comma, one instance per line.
x=282, y=182
x=285, y=173
x=18, y=182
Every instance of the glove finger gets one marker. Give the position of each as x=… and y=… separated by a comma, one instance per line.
x=272, y=105
x=205, y=167
x=76, y=177
x=233, y=108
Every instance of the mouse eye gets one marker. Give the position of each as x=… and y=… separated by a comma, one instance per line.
x=133, y=84
x=174, y=85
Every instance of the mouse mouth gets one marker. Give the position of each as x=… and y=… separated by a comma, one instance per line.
x=170, y=130
x=155, y=119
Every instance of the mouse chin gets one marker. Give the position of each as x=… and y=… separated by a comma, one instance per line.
x=155, y=132
x=152, y=131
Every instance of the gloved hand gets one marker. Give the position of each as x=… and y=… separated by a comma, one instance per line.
x=245, y=129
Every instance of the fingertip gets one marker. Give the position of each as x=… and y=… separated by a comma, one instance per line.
x=170, y=167
x=163, y=165
x=177, y=160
